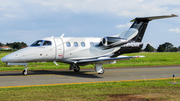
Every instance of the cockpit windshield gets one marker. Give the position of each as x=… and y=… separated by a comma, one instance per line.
x=47, y=43
x=42, y=43
x=37, y=43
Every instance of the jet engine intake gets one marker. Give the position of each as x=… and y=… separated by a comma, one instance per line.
x=113, y=41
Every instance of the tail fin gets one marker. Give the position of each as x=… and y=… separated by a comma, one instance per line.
x=136, y=33
x=141, y=23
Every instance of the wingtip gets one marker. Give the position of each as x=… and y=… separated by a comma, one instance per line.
x=132, y=20
x=174, y=15
x=140, y=56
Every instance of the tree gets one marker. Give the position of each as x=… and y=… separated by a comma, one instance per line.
x=10, y=45
x=161, y=48
x=1, y=44
x=149, y=48
x=23, y=44
x=16, y=45
x=168, y=46
x=179, y=48
x=174, y=49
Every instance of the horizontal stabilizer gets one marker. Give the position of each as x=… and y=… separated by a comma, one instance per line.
x=154, y=17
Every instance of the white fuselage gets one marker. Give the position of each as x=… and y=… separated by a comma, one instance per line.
x=60, y=50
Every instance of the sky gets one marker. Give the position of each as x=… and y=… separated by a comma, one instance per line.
x=30, y=20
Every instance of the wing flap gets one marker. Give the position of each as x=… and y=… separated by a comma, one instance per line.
x=105, y=59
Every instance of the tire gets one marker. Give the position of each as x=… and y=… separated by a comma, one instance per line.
x=102, y=72
x=77, y=69
x=25, y=72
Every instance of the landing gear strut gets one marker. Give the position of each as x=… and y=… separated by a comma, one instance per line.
x=25, y=71
x=99, y=68
x=75, y=67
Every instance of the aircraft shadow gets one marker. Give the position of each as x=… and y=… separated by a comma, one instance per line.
x=82, y=74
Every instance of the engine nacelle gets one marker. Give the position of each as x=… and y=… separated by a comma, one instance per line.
x=113, y=41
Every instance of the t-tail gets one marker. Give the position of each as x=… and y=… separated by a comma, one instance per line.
x=140, y=23
x=137, y=30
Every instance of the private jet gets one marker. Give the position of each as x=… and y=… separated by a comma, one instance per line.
x=81, y=51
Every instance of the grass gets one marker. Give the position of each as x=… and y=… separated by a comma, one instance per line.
x=154, y=90
x=151, y=59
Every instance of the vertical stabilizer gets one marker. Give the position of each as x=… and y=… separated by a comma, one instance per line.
x=135, y=34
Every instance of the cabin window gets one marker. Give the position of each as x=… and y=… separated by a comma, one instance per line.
x=47, y=43
x=37, y=43
x=75, y=44
x=83, y=44
x=91, y=44
x=68, y=44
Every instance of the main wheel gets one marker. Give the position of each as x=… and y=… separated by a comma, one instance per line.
x=102, y=71
x=77, y=69
x=25, y=72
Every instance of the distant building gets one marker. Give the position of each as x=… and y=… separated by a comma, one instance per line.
x=5, y=47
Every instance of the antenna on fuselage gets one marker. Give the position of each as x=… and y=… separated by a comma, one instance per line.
x=62, y=35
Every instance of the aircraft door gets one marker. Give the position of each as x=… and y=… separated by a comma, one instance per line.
x=59, y=48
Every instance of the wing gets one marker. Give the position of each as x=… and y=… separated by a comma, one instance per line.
x=102, y=59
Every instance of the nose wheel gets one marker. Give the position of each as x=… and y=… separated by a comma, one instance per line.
x=25, y=71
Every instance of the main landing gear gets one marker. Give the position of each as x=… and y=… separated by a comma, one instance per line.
x=75, y=67
x=25, y=71
x=99, y=68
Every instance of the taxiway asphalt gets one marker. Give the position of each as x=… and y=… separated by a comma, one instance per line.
x=59, y=77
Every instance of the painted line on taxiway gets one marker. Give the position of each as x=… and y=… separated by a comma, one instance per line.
x=85, y=83
x=95, y=72
x=30, y=75
x=92, y=80
x=73, y=77
x=133, y=71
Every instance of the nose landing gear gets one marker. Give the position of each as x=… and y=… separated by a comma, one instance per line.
x=25, y=71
